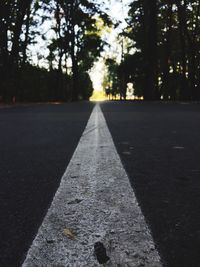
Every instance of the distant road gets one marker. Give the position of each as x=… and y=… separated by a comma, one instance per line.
x=159, y=145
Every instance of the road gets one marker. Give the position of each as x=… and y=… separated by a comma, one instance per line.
x=36, y=144
x=158, y=143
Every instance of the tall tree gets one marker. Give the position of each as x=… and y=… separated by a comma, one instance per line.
x=150, y=51
x=166, y=37
x=82, y=34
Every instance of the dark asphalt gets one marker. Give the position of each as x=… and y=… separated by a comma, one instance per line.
x=36, y=144
x=159, y=145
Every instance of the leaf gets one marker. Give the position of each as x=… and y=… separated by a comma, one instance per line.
x=68, y=232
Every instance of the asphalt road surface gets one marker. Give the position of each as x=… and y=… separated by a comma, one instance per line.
x=159, y=144
x=36, y=144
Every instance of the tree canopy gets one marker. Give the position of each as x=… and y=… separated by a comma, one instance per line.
x=165, y=36
x=73, y=46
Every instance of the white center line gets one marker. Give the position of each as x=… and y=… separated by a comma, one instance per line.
x=94, y=203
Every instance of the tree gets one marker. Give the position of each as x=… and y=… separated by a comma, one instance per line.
x=85, y=43
x=150, y=49
x=75, y=36
x=112, y=79
x=166, y=36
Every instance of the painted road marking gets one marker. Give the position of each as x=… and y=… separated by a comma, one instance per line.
x=94, y=203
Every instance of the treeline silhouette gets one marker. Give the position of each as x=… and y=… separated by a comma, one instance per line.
x=162, y=53
x=72, y=38
x=160, y=50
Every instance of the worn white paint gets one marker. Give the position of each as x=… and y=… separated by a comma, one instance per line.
x=94, y=202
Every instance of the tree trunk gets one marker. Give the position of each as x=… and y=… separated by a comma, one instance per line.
x=22, y=11
x=75, y=85
x=150, y=53
x=166, y=68
x=14, y=55
x=69, y=9
x=182, y=25
x=192, y=65
x=59, y=91
x=4, y=70
x=25, y=44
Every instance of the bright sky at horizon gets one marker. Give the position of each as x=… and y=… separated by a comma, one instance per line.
x=118, y=10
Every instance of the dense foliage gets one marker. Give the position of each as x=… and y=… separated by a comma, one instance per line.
x=73, y=46
x=161, y=59
x=164, y=62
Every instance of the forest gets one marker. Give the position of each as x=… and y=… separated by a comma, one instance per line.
x=73, y=45
x=162, y=58
x=160, y=55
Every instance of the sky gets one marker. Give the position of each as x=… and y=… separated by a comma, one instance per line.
x=119, y=9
